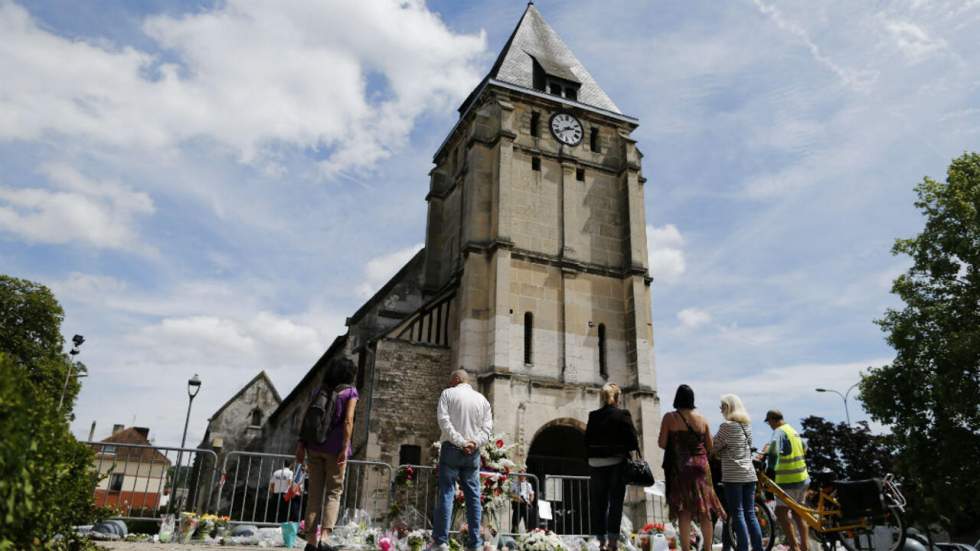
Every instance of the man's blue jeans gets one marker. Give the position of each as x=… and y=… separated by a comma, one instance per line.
x=455, y=465
x=740, y=501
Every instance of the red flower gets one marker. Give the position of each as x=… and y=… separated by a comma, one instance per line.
x=500, y=443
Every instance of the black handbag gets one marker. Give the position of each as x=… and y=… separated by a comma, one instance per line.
x=636, y=472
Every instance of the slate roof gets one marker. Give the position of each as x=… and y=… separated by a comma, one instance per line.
x=534, y=38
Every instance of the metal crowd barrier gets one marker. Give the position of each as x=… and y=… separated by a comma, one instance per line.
x=252, y=486
x=144, y=482
x=570, y=508
x=141, y=482
x=415, y=497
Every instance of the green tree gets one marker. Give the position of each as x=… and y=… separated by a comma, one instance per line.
x=851, y=452
x=929, y=394
x=46, y=479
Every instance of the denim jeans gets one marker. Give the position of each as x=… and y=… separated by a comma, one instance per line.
x=607, y=490
x=740, y=503
x=455, y=465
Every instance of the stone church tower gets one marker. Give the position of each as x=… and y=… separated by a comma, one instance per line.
x=536, y=224
x=534, y=276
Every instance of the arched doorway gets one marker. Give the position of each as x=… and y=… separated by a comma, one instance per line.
x=557, y=458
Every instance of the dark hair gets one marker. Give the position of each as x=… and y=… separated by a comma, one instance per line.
x=339, y=371
x=684, y=399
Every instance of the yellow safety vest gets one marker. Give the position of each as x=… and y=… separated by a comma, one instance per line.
x=791, y=468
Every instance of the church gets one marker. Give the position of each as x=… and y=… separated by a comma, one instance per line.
x=534, y=276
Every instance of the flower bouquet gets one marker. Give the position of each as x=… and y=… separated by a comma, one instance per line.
x=417, y=539
x=206, y=525
x=648, y=530
x=188, y=526
x=405, y=477
x=541, y=540
x=222, y=527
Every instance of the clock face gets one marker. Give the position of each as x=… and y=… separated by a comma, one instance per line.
x=566, y=128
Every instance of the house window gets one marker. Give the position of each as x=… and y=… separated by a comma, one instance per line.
x=535, y=120
x=603, y=367
x=594, y=139
x=109, y=450
x=255, y=419
x=536, y=164
x=116, y=482
x=528, y=337
x=571, y=93
x=410, y=454
x=580, y=174
x=555, y=88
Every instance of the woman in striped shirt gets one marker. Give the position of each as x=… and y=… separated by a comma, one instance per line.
x=733, y=446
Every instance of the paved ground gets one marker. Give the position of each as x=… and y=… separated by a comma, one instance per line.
x=125, y=546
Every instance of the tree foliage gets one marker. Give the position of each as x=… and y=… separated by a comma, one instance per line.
x=850, y=452
x=46, y=479
x=929, y=394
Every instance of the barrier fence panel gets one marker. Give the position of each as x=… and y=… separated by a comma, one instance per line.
x=415, y=497
x=142, y=481
x=252, y=488
x=570, y=508
x=253, y=485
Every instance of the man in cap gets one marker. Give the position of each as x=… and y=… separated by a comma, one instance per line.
x=787, y=457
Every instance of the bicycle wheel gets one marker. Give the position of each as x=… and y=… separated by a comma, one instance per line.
x=887, y=534
x=767, y=522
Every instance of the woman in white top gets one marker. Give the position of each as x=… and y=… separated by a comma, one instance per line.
x=733, y=446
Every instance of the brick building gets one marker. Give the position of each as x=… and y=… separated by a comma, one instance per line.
x=534, y=276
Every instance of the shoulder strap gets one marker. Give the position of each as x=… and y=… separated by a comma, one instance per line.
x=700, y=436
x=748, y=439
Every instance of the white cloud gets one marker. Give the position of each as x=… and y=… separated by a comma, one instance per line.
x=344, y=78
x=379, y=270
x=855, y=79
x=913, y=41
x=666, y=254
x=101, y=213
x=693, y=317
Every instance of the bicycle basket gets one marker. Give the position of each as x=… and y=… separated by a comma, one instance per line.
x=860, y=498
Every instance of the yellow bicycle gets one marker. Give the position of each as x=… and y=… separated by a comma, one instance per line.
x=859, y=515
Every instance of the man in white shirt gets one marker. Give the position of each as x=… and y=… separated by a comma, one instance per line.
x=466, y=423
x=522, y=504
x=278, y=486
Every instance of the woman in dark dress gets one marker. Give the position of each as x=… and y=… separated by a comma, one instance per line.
x=609, y=438
x=685, y=436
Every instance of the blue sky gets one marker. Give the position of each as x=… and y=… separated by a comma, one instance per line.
x=212, y=187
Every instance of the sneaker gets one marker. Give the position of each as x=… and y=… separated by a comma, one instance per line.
x=440, y=547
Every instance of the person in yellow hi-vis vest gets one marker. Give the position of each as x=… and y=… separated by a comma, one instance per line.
x=787, y=457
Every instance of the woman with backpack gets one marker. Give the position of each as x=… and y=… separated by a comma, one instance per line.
x=685, y=437
x=325, y=444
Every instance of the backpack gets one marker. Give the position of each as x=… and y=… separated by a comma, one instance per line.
x=319, y=418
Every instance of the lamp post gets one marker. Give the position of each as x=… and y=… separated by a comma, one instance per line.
x=193, y=387
x=843, y=397
x=77, y=341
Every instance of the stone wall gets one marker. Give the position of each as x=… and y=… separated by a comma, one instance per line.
x=409, y=379
x=233, y=426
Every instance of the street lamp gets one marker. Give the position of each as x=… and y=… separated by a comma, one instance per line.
x=193, y=387
x=77, y=341
x=843, y=397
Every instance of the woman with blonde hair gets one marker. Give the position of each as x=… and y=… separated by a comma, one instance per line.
x=609, y=438
x=733, y=446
